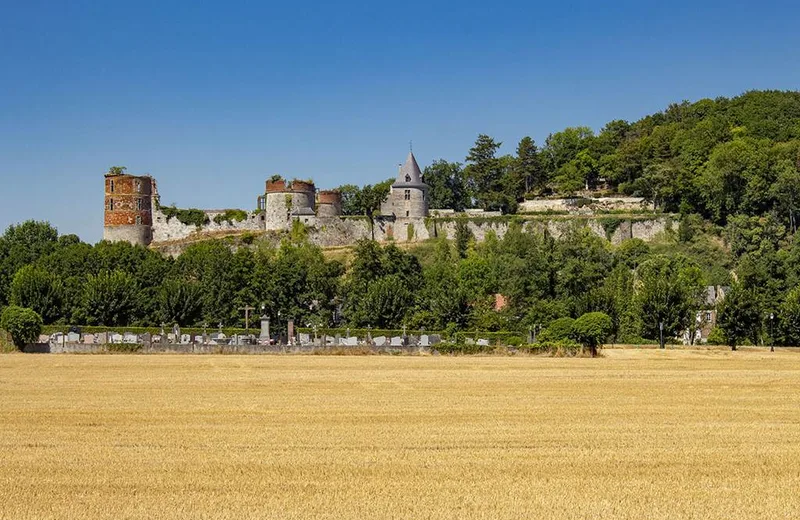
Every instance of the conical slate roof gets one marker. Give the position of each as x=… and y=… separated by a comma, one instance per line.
x=410, y=174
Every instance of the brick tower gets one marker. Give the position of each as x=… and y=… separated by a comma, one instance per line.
x=128, y=209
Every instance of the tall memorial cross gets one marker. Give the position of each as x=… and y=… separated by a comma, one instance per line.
x=247, y=310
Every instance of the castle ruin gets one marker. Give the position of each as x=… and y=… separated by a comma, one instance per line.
x=133, y=213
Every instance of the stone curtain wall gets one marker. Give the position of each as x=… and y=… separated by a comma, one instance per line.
x=345, y=231
x=173, y=229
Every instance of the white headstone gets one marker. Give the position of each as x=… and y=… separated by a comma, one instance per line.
x=483, y=342
x=130, y=338
x=397, y=341
x=351, y=341
x=116, y=338
x=379, y=341
x=185, y=339
x=73, y=337
x=305, y=339
x=424, y=340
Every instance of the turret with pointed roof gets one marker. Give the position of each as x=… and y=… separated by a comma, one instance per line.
x=409, y=194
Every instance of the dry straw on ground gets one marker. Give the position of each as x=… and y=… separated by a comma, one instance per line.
x=636, y=434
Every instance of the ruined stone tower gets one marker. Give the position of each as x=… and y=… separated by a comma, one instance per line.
x=409, y=195
x=128, y=209
x=286, y=201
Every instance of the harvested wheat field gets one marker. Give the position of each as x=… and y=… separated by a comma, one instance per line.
x=635, y=434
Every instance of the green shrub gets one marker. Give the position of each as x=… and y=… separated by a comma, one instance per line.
x=593, y=329
x=23, y=324
x=231, y=215
x=558, y=330
x=716, y=337
x=188, y=217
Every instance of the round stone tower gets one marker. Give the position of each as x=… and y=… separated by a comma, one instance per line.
x=283, y=201
x=329, y=203
x=408, y=196
x=128, y=209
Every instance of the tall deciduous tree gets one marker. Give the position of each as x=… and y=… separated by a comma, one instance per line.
x=739, y=316
x=668, y=292
x=38, y=289
x=109, y=298
x=446, y=186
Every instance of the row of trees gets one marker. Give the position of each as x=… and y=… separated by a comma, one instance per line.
x=440, y=286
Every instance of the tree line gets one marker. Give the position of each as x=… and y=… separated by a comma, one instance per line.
x=546, y=282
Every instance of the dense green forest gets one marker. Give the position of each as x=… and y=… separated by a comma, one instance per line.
x=728, y=167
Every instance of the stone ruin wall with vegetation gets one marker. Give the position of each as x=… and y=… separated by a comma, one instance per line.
x=170, y=224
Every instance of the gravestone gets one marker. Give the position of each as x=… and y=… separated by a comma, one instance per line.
x=44, y=338
x=130, y=338
x=146, y=338
x=379, y=341
x=88, y=339
x=330, y=340
x=351, y=341
x=424, y=341
x=397, y=341
x=73, y=337
x=305, y=339
x=185, y=339
x=116, y=337
x=483, y=342
x=413, y=340
x=101, y=338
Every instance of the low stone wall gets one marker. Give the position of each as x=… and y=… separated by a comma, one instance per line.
x=587, y=204
x=80, y=348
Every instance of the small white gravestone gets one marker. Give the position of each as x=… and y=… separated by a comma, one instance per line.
x=88, y=339
x=130, y=338
x=424, y=341
x=397, y=341
x=351, y=341
x=185, y=339
x=73, y=337
x=379, y=341
x=116, y=338
x=483, y=342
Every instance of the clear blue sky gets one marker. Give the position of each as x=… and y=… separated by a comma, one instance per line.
x=212, y=98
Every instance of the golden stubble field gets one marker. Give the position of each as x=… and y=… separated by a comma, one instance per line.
x=636, y=434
